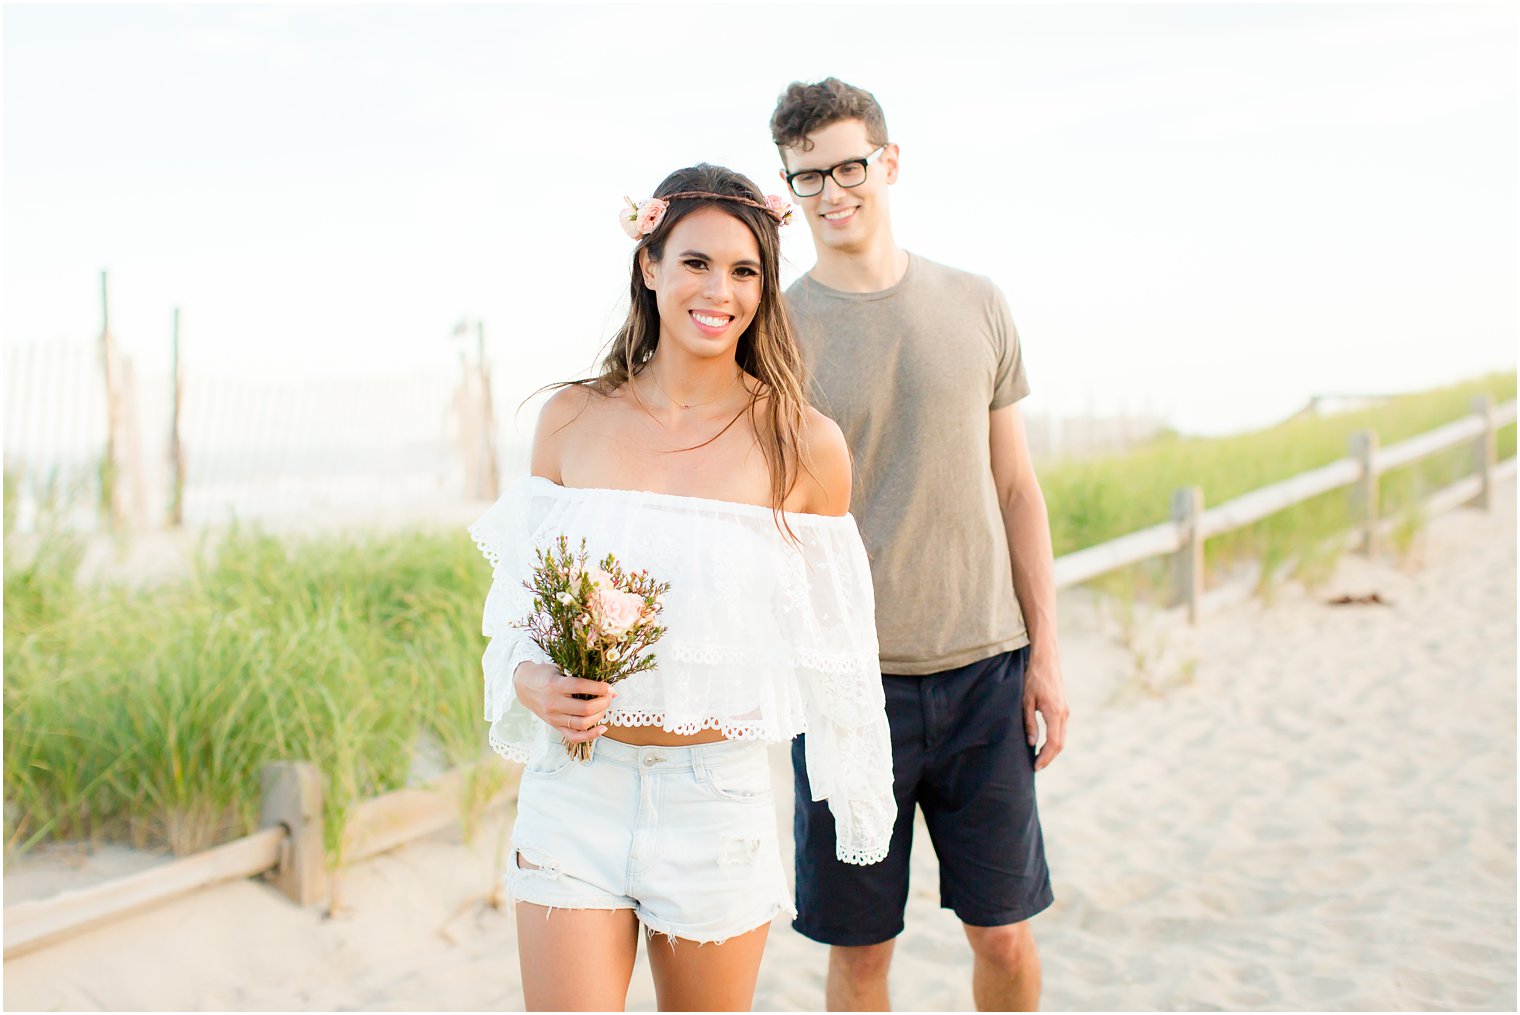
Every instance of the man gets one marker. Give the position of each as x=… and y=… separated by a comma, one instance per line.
x=920, y=366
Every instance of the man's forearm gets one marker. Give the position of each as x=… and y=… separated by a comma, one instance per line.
x=1027, y=524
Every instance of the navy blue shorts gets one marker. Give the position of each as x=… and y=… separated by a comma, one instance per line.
x=959, y=753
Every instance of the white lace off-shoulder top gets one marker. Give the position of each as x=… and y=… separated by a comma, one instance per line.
x=764, y=640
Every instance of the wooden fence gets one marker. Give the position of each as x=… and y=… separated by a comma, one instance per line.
x=290, y=845
x=1183, y=537
x=91, y=442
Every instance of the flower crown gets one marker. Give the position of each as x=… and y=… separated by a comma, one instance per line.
x=639, y=219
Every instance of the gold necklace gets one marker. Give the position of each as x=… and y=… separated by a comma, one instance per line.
x=695, y=405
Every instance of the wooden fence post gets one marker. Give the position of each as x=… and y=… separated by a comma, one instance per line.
x=176, y=451
x=129, y=449
x=1485, y=448
x=123, y=453
x=1364, y=492
x=1187, y=509
x=490, y=481
x=464, y=411
x=292, y=797
x=110, y=492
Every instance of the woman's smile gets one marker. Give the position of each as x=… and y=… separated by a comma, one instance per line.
x=711, y=323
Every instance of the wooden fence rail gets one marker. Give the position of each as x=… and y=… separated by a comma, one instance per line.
x=31, y=925
x=289, y=848
x=1252, y=507
x=291, y=843
x=1191, y=525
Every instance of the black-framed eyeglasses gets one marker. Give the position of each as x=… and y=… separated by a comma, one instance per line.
x=850, y=173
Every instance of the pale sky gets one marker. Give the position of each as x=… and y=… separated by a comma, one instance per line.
x=1205, y=212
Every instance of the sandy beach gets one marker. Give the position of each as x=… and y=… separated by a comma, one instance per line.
x=1295, y=805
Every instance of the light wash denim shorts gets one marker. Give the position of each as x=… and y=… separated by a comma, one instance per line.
x=683, y=836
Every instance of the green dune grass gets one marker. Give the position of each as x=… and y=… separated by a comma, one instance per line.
x=1095, y=500
x=145, y=715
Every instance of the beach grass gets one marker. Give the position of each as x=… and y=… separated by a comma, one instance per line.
x=1094, y=500
x=144, y=714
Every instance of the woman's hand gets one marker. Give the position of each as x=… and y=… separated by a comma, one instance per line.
x=551, y=695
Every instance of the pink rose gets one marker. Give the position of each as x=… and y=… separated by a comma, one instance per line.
x=780, y=207
x=650, y=213
x=628, y=218
x=615, y=612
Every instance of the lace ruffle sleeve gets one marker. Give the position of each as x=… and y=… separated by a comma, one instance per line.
x=504, y=535
x=849, y=745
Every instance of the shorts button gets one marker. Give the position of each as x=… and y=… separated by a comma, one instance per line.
x=651, y=760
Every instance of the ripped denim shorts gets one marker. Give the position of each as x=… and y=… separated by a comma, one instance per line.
x=683, y=836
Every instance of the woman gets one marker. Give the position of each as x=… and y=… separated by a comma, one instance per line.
x=692, y=455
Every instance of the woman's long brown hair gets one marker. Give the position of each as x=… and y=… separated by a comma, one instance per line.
x=768, y=348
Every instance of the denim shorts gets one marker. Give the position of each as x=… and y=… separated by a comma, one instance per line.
x=959, y=754
x=683, y=836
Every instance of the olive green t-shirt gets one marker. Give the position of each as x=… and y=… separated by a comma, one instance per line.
x=909, y=374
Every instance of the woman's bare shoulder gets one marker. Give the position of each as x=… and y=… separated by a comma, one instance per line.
x=830, y=463
x=568, y=402
x=556, y=425
x=822, y=428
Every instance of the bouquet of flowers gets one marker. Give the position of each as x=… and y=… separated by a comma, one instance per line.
x=596, y=622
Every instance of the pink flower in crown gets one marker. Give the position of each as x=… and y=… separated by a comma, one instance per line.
x=641, y=219
x=779, y=207
x=628, y=218
x=650, y=214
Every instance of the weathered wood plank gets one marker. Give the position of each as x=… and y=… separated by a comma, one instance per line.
x=1187, y=512
x=1483, y=451
x=1364, y=490
x=1269, y=500
x=388, y=821
x=1085, y=565
x=1428, y=443
x=292, y=800
x=1453, y=496
x=31, y=925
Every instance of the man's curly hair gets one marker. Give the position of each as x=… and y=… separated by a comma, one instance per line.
x=804, y=108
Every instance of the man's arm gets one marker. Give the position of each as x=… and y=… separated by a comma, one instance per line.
x=1028, y=528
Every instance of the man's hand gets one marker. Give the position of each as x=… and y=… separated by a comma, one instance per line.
x=1027, y=526
x=550, y=695
x=1045, y=693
